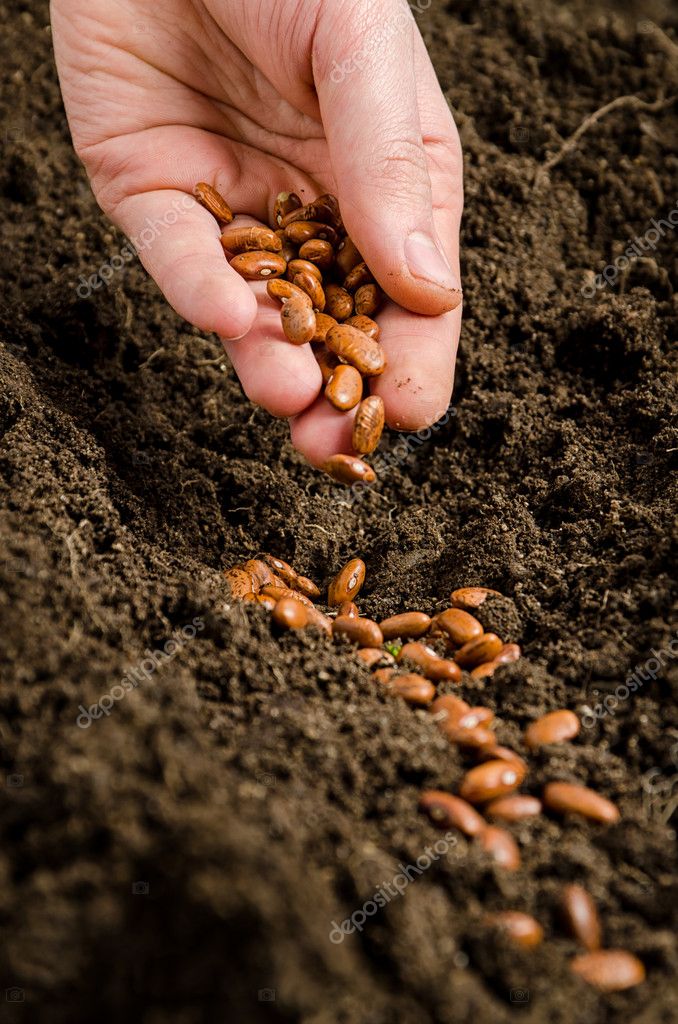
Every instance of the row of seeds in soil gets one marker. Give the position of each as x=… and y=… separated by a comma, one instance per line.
x=489, y=789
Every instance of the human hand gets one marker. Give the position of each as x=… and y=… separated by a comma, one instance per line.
x=263, y=97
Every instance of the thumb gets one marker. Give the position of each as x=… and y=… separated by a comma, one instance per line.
x=364, y=70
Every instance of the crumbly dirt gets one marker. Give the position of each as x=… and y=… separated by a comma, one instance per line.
x=182, y=859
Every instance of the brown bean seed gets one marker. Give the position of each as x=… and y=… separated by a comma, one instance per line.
x=285, y=203
x=356, y=348
x=318, y=252
x=413, y=689
x=348, y=608
x=383, y=675
x=476, y=716
x=347, y=584
x=458, y=626
x=338, y=302
x=569, y=798
x=347, y=256
x=501, y=846
x=449, y=708
x=323, y=323
x=213, y=202
x=581, y=917
x=505, y=754
x=555, y=727
x=447, y=811
x=319, y=620
x=305, y=230
x=488, y=668
x=363, y=632
x=312, y=287
x=259, y=571
x=344, y=388
x=368, y=299
x=280, y=592
x=347, y=469
x=324, y=209
x=373, y=655
x=327, y=361
x=358, y=276
x=368, y=425
x=267, y=601
x=514, y=807
x=298, y=322
x=239, y=240
x=290, y=614
x=430, y=663
x=508, y=654
x=365, y=324
x=298, y=266
x=476, y=652
x=255, y=266
x=475, y=738
x=283, y=569
x=284, y=290
x=490, y=780
x=609, y=970
x=471, y=598
x=406, y=624
x=240, y=582
x=521, y=928
x=307, y=587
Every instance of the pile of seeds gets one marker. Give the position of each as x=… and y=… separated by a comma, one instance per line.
x=409, y=668
x=329, y=299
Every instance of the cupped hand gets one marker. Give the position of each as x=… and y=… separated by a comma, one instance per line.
x=258, y=97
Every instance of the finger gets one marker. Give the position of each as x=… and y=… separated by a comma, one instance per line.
x=322, y=431
x=371, y=119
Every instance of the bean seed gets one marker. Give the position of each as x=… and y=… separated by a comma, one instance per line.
x=368, y=425
x=323, y=324
x=458, y=626
x=254, y=266
x=373, y=655
x=368, y=299
x=501, y=846
x=251, y=598
x=319, y=620
x=349, y=608
x=344, y=388
x=471, y=598
x=259, y=572
x=514, y=807
x=327, y=361
x=475, y=738
x=474, y=717
x=489, y=780
x=431, y=664
x=407, y=624
x=285, y=203
x=279, y=592
x=297, y=266
x=298, y=322
x=324, y=209
x=347, y=469
x=413, y=689
x=506, y=755
x=581, y=917
x=365, y=324
x=284, y=290
x=240, y=582
x=288, y=252
x=508, y=654
x=307, y=587
x=449, y=708
x=488, y=668
x=347, y=256
x=338, y=302
x=363, y=632
x=609, y=970
x=357, y=277
x=347, y=584
x=556, y=727
x=356, y=348
x=284, y=570
x=290, y=614
x=213, y=202
x=382, y=675
x=239, y=240
x=476, y=652
x=312, y=287
x=267, y=601
x=447, y=811
x=306, y=230
x=318, y=252
x=569, y=798
x=521, y=928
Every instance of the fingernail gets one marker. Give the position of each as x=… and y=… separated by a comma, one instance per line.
x=426, y=259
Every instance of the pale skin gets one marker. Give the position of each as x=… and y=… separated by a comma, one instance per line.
x=257, y=97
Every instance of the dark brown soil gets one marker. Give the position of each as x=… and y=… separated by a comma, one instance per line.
x=187, y=853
